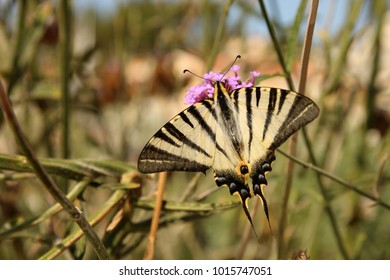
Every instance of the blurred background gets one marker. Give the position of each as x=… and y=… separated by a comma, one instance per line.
x=92, y=81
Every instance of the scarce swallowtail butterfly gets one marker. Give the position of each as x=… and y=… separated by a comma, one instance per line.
x=233, y=131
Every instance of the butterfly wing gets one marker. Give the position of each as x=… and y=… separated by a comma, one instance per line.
x=185, y=143
x=268, y=117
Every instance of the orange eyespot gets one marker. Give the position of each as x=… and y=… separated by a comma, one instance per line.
x=243, y=168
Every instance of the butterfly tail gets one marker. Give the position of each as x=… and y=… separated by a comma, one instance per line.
x=258, y=190
x=237, y=186
x=259, y=182
x=244, y=197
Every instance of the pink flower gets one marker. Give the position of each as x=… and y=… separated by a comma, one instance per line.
x=235, y=68
x=202, y=91
x=199, y=92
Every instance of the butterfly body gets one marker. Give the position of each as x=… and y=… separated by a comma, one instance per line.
x=235, y=133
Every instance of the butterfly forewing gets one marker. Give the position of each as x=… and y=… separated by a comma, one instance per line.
x=185, y=143
x=268, y=116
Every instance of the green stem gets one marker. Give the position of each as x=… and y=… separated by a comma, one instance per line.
x=77, y=234
x=72, y=195
x=339, y=180
x=293, y=147
x=66, y=168
x=344, y=46
x=47, y=181
x=379, y=14
x=65, y=56
x=328, y=209
x=276, y=45
x=16, y=71
x=219, y=35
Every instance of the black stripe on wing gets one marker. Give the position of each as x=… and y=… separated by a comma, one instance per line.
x=164, y=137
x=227, y=116
x=286, y=111
x=184, y=117
x=185, y=143
x=283, y=95
x=301, y=112
x=166, y=161
x=182, y=138
x=235, y=98
x=192, y=110
x=258, y=96
x=248, y=94
x=270, y=110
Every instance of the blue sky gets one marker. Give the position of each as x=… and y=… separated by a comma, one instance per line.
x=286, y=8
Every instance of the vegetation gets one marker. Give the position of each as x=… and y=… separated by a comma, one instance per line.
x=87, y=90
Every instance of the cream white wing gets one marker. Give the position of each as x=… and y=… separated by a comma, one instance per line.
x=186, y=143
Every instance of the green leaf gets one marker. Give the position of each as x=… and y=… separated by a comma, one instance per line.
x=71, y=169
x=186, y=206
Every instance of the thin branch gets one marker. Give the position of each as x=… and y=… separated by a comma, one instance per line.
x=219, y=34
x=328, y=209
x=190, y=188
x=106, y=208
x=293, y=141
x=276, y=45
x=326, y=197
x=149, y=254
x=339, y=180
x=72, y=195
x=47, y=181
x=74, y=169
x=18, y=49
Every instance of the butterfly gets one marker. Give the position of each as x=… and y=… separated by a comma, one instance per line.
x=234, y=132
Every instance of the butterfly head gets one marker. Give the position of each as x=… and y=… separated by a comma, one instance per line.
x=230, y=82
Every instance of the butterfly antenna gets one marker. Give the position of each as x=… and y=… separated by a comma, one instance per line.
x=248, y=215
x=224, y=74
x=196, y=75
x=265, y=206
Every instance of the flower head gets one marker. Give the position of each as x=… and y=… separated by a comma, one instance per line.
x=202, y=91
